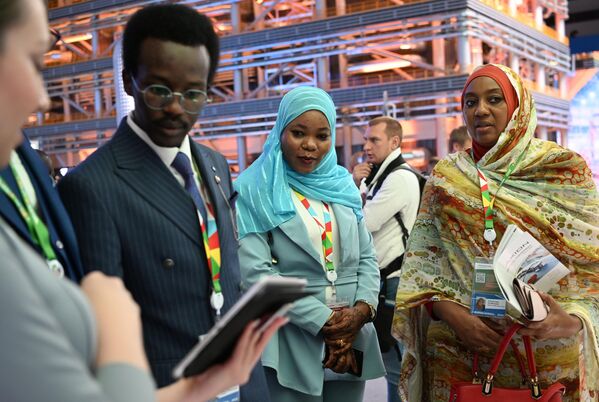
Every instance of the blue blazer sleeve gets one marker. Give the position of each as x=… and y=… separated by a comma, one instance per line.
x=96, y=232
x=255, y=256
x=368, y=269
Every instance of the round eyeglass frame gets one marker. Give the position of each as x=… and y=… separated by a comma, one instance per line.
x=166, y=100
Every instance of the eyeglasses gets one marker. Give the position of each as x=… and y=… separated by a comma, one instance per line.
x=55, y=36
x=157, y=97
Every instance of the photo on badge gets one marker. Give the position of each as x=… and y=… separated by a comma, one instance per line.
x=487, y=299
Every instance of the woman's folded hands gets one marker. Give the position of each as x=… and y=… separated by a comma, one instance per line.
x=340, y=333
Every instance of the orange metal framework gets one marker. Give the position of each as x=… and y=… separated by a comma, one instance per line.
x=431, y=44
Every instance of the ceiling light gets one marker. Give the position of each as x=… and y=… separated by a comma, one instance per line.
x=76, y=38
x=378, y=65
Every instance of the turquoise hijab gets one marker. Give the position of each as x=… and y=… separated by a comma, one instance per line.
x=264, y=200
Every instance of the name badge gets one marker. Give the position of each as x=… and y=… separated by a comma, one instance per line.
x=333, y=300
x=487, y=298
x=230, y=395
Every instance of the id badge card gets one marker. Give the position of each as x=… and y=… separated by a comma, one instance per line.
x=332, y=299
x=230, y=395
x=487, y=298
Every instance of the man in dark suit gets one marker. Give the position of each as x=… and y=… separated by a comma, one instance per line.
x=151, y=204
x=26, y=183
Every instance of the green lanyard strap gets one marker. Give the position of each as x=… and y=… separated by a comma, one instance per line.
x=488, y=201
x=37, y=229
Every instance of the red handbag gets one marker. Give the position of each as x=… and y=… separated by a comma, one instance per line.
x=483, y=391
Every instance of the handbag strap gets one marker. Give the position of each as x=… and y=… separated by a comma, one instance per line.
x=530, y=356
x=521, y=364
x=502, y=348
x=520, y=359
x=532, y=366
x=507, y=339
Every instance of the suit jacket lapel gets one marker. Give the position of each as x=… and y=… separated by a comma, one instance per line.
x=49, y=202
x=208, y=172
x=141, y=169
x=295, y=229
x=11, y=215
x=9, y=210
x=344, y=217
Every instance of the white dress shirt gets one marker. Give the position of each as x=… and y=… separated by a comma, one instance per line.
x=168, y=154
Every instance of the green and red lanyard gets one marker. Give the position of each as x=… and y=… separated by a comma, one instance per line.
x=212, y=250
x=37, y=229
x=326, y=235
x=489, y=233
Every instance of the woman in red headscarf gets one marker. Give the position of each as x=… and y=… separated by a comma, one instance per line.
x=549, y=192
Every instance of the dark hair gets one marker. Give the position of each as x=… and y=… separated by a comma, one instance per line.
x=169, y=22
x=392, y=126
x=10, y=13
x=458, y=135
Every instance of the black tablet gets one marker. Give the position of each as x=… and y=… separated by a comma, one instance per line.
x=270, y=296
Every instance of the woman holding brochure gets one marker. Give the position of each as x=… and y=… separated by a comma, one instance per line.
x=299, y=214
x=60, y=343
x=508, y=177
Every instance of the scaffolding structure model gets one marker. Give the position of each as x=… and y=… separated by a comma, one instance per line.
x=408, y=59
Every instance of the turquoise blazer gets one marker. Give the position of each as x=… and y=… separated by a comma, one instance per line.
x=297, y=350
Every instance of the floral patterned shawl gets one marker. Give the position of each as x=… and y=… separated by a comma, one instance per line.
x=551, y=194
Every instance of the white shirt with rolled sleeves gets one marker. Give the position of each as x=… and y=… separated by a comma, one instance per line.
x=400, y=191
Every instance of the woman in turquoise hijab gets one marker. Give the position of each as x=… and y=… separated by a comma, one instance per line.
x=299, y=214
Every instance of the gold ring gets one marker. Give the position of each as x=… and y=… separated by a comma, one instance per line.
x=341, y=342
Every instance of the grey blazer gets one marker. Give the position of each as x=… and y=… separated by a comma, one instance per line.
x=48, y=337
x=297, y=350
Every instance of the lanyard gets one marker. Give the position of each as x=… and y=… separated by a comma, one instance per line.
x=212, y=249
x=488, y=202
x=37, y=229
x=326, y=235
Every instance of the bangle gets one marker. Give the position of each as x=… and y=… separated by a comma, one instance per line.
x=370, y=307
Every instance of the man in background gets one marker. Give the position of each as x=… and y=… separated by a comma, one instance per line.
x=459, y=140
x=391, y=192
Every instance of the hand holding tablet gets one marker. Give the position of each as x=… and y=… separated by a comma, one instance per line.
x=271, y=297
